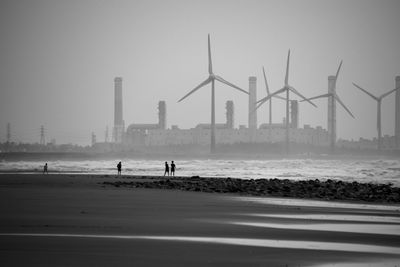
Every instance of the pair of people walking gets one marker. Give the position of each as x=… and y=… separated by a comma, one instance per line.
x=167, y=168
x=166, y=172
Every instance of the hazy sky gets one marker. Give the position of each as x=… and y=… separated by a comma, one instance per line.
x=59, y=59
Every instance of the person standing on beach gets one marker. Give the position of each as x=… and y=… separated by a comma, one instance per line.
x=45, y=169
x=166, y=169
x=172, y=168
x=119, y=167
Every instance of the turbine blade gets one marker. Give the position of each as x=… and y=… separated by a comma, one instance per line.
x=275, y=94
x=272, y=95
x=365, y=91
x=279, y=97
x=266, y=83
x=341, y=103
x=196, y=88
x=316, y=97
x=338, y=70
x=301, y=96
x=287, y=69
x=262, y=101
x=222, y=80
x=209, y=56
x=388, y=93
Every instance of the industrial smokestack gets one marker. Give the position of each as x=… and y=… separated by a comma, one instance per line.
x=229, y=114
x=332, y=111
x=118, y=119
x=252, y=107
x=162, y=115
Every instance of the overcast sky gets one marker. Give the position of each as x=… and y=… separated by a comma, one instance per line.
x=59, y=59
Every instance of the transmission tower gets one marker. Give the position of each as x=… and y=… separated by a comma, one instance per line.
x=42, y=139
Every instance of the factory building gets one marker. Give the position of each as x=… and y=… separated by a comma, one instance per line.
x=140, y=135
x=158, y=134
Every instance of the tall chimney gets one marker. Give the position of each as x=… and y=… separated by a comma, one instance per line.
x=118, y=119
x=397, y=114
x=252, y=107
x=229, y=114
x=332, y=111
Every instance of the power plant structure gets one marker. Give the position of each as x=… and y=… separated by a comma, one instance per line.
x=119, y=125
x=141, y=135
x=158, y=134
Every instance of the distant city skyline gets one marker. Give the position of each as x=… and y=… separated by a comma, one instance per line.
x=60, y=58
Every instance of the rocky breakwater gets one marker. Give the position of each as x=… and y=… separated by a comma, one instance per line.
x=310, y=189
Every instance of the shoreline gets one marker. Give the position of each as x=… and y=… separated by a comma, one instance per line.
x=307, y=189
x=76, y=220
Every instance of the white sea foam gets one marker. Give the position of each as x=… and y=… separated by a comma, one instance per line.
x=374, y=171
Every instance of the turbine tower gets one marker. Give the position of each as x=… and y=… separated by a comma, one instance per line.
x=270, y=100
x=286, y=88
x=332, y=98
x=211, y=79
x=379, y=104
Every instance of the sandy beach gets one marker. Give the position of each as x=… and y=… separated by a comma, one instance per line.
x=78, y=220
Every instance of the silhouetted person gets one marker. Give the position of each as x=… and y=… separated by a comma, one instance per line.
x=166, y=169
x=172, y=168
x=119, y=167
x=45, y=169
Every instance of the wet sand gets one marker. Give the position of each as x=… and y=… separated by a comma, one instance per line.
x=77, y=220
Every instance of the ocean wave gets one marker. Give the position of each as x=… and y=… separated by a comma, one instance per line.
x=374, y=171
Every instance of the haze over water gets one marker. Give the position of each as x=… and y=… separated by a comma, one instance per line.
x=361, y=170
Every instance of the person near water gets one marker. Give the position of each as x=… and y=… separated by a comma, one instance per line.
x=173, y=168
x=119, y=167
x=166, y=169
x=45, y=169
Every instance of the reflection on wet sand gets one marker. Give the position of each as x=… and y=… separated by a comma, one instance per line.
x=382, y=229
x=316, y=203
x=331, y=217
x=292, y=244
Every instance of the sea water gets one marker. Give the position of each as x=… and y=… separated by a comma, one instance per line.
x=360, y=170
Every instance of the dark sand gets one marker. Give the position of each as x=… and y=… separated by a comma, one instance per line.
x=82, y=204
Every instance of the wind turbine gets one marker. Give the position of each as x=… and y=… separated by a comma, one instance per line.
x=332, y=96
x=270, y=100
x=211, y=79
x=286, y=88
x=379, y=102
